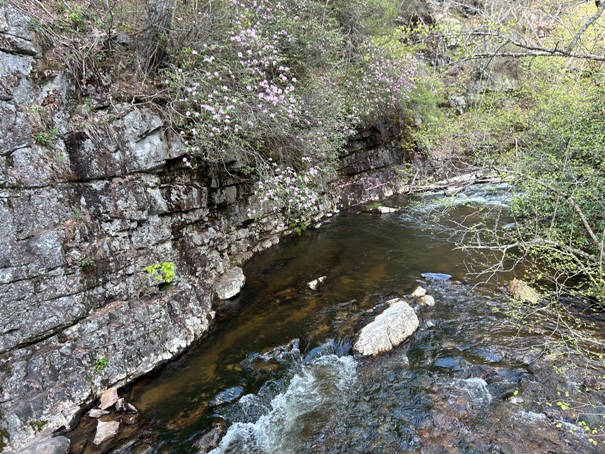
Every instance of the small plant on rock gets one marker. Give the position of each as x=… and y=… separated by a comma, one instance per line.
x=37, y=425
x=85, y=261
x=101, y=362
x=48, y=138
x=162, y=273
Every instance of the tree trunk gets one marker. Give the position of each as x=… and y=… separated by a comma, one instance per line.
x=156, y=35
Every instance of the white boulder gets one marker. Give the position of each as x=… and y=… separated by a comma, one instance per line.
x=388, y=330
x=230, y=283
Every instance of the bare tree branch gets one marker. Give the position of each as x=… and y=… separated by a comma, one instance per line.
x=584, y=27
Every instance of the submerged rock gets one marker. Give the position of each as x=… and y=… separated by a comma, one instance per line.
x=522, y=291
x=211, y=438
x=227, y=396
x=388, y=330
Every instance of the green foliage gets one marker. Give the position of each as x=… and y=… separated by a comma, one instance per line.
x=76, y=214
x=561, y=185
x=4, y=437
x=85, y=261
x=75, y=17
x=37, y=425
x=285, y=84
x=586, y=414
x=424, y=100
x=163, y=273
x=279, y=80
x=47, y=138
x=34, y=24
x=101, y=362
x=546, y=133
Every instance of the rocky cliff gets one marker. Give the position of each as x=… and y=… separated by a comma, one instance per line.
x=90, y=197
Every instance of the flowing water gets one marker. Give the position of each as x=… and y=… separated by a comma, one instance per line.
x=280, y=376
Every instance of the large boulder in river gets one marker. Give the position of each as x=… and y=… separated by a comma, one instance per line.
x=388, y=330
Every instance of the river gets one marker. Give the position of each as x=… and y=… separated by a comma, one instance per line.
x=279, y=374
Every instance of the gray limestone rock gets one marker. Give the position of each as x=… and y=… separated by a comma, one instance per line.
x=388, y=330
x=230, y=283
x=57, y=445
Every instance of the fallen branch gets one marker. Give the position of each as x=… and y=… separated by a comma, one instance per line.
x=458, y=182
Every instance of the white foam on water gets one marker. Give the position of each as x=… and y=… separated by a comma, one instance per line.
x=476, y=388
x=493, y=195
x=317, y=391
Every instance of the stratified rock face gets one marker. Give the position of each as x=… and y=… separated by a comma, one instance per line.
x=88, y=201
x=388, y=330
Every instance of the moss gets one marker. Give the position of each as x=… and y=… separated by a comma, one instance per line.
x=373, y=206
x=37, y=425
x=4, y=437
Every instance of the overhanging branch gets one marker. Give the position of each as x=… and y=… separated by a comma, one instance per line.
x=584, y=27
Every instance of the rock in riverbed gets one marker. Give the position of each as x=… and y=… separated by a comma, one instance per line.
x=106, y=431
x=388, y=330
x=522, y=291
x=317, y=283
x=108, y=398
x=419, y=296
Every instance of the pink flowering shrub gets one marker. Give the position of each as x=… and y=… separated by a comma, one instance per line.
x=240, y=94
x=294, y=193
x=384, y=83
x=282, y=80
